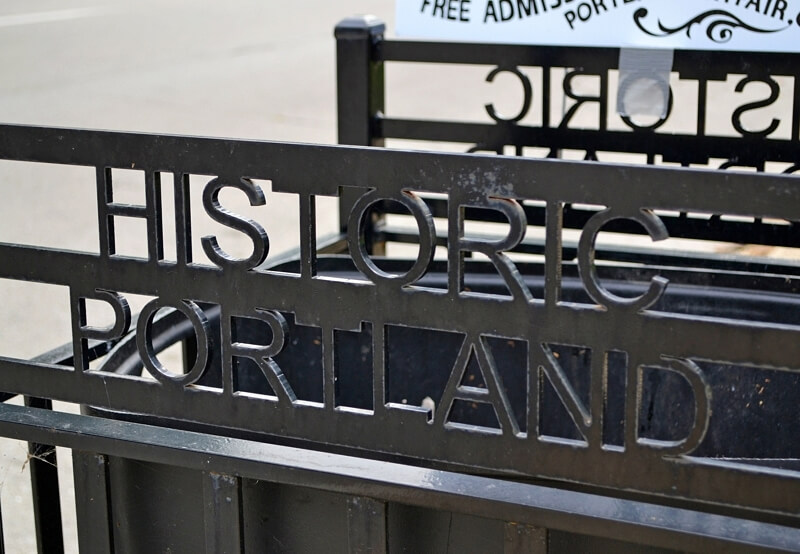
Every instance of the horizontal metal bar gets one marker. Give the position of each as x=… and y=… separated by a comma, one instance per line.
x=486, y=497
x=63, y=355
x=712, y=227
x=127, y=210
x=725, y=340
x=686, y=148
x=492, y=54
x=350, y=302
x=753, y=275
x=688, y=63
x=762, y=267
x=388, y=171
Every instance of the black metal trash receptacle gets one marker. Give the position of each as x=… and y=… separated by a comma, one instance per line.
x=157, y=507
x=599, y=399
x=645, y=398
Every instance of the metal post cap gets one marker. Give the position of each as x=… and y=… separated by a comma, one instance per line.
x=359, y=26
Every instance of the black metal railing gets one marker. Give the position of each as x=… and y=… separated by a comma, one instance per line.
x=340, y=352
x=533, y=387
x=364, y=55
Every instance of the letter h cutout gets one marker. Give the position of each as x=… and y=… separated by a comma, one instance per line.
x=107, y=210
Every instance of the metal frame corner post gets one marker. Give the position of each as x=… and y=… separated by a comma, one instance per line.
x=359, y=89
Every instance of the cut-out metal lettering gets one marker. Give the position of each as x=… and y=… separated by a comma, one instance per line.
x=122, y=316
x=527, y=95
x=108, y=209
x=357, y=244
x=492, y=249
x=669, y=101
x=144, y=342
x=582, y=99
x=701, y=394
x=736, y=117
x=578, y=412
x=263, y=355
x=510, y=343
x=242, y=224
x=82, y=332
x=493, y=393
x=588, y=270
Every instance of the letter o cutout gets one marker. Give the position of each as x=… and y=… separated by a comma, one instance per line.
x=358, y=247
x=668, y=99
x=144, y=342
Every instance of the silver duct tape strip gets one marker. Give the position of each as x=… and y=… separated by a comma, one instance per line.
x=644, y=82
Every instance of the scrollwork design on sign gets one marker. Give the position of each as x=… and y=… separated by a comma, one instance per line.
x=720, y=25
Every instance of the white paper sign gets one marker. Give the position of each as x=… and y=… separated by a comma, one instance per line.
x=756, y=25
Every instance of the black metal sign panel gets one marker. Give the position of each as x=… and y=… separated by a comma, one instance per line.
x=523, y=379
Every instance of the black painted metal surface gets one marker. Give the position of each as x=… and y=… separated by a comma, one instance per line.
x=623, y=381
x=749, y=147
x=549, y=80
x=274, y=466
x=595, y=398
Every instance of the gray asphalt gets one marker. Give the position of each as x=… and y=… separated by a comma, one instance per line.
x=240, y=68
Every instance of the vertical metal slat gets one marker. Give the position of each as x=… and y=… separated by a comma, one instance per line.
x=524, y=539
x=222, y=496
x=360, y=91
x=92, y=503
x=366, y=525
x=44, y=489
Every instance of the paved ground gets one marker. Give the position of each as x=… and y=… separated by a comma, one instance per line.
x=240, y=68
